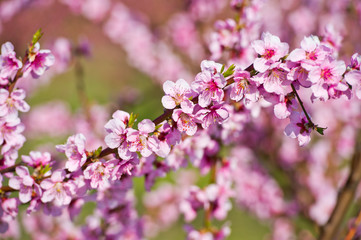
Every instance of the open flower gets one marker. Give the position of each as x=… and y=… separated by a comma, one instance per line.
x=100, y=173
x=270, y=49
x=328, y=74
x=176, y=93
x=299, y=128
x=74, y=150
x=215, y=114
x=11, y=103
x=38, y=62
x=140, y=141
x=56, y=190
x=37, y=159
x=185, y=120
x=9, y=64
x=24, y=183
x=209, y=83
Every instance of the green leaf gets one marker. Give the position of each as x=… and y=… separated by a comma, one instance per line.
x=229, y=71
x=45, y=169
x=132, y=119
x=222, y=69
x=158, y=126
x=36, y=37
x=97, y=152
x=320, y=130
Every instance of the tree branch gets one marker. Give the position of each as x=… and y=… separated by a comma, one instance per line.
x=345, y=197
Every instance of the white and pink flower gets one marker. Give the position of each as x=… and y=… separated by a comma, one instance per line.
x=56, y=190
x=209, y=83
x=176, y=93
x=11, y=103
x=74, y=150
x=24, y=183
x=270, y=49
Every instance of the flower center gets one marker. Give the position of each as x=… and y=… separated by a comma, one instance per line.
x=311, y=55
x=326, y=74
x=269, y=53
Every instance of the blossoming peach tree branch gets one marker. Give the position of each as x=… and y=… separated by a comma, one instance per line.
x=199, y=121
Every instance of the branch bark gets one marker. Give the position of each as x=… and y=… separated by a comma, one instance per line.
x=345, y=197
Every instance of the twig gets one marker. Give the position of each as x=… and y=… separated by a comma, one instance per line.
x=301, y=103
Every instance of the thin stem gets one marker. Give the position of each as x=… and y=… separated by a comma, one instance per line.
x=167, y=114
x=301, y=103
x=19, y=73
x=10, y=169
x=7, y=189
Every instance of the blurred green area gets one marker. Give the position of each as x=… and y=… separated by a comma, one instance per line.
x=108, y=78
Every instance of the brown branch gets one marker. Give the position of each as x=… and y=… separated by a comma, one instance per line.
x=345, y=197
x=353, y=229
x=19, y=73
x=10, y=169
x=4, y=189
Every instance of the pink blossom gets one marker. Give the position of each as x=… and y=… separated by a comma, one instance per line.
x=168, y=136
x=185, y=120
x=38, y=62
x=100, y=173
x=11, y=103
x=311, y=53
x=9, y=64
x=271, y=50
x=176, y=93
x=10, y=208
x=298, y=74
x=355, y=61
x=286, y=105
x=328, y=74
x=209, y=83
x=74, y=150
x=117, y=134
x=243, y=87
x=195, y=199
x=56, y=190
x=214, y=114
x=332, y=37
x=299, y=128
x=124, y=167
x=141, y=141
x=274, y=78
x=353, y=77
x=37, y=159
x=10, y=130
x=24, y=183
x=226, y=37
x=219, y=195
